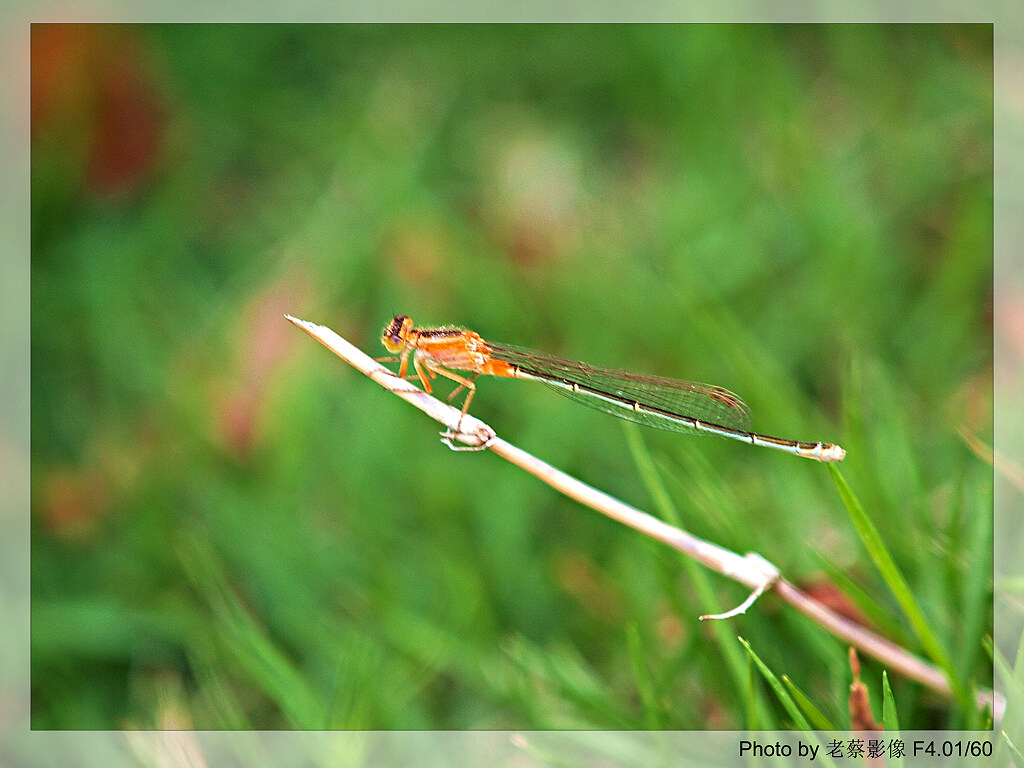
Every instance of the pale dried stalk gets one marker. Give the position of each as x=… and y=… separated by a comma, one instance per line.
x=750, y=570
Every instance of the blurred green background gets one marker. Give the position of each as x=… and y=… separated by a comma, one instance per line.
x=233, y=529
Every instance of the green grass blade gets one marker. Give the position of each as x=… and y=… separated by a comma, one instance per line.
x=784, y=697
x=779, y=689
x=890, y=719
x=876, y=548
x=752, y=719
x=814, y=715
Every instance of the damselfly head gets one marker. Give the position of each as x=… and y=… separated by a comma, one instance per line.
x=396, y=334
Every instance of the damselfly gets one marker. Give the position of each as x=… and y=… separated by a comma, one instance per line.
x=654, y=401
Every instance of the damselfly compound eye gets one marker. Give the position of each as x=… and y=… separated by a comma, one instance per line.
x=393, y=337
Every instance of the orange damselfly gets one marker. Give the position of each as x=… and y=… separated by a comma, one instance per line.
x=654, y=401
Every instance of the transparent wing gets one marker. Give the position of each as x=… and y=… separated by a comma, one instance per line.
x=614, y=391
